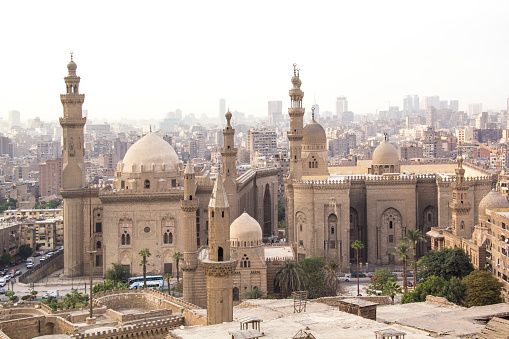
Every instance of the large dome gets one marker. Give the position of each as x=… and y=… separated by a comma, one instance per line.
x=492, y=200
x=151, y=151
x=245, y=231
x=313, y=133
x=385, y=154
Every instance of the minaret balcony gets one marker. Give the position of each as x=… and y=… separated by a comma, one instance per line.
x=72, y=122
x=229, y=151
x=189, y=205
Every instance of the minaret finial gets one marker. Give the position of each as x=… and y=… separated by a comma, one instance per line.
x=298, y=71
x=385, y=136
x=150, y=128
x=295, y=69
x=71, y=55
x=313, y=112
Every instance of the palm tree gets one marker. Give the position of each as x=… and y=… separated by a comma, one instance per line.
x=167, y=276
x=144, y=253
x=178, y=256
x=413, y=238
x=357, y=245
x=391, y=288
x=402, y=253
x=330, y=278
x=291, y=276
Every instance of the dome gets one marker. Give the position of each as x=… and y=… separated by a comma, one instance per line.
x=313, y=133
x=246, y=228
x=385, y=154
x=492, y=200
x=71, y=66
x=151, y=151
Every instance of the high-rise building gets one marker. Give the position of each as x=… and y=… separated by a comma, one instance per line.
x=454, y=105
x=431, y=101
x=222, y=110
x=261, y=141
x=14, y=119
x=341, y=106
x=474, y=109
x=408, y=104
x=430, y=116
x=6, y=147
x=50, y=177
x=48, y=150
x=275, y=111
x=347, y=116
x=416, y=104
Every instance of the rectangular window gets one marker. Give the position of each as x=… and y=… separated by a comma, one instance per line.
x=301, y=243
x=98, y=227
x=391, y=238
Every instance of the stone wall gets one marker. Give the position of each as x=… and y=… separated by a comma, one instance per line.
x=334, y=301
x=43, y=269
x=192, y=318
x=34, y=326
x=123, y=318
x=441, y=301
x=151, y=329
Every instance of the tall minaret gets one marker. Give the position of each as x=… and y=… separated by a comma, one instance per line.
x=229, y=156
x=219, y=268
x=460, y=205
x=73, y=170
x=296, y=112
x=73, y=174
x=189, y=206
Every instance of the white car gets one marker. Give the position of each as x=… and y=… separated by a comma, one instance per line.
x=345, y=278
x=53, y=294
x=29, y=265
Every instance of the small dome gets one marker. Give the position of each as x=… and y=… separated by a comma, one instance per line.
x=151, y=149
x=492, y=200
x=246, y=228
x=385, y=154
x=313, y=133
x=71, y=66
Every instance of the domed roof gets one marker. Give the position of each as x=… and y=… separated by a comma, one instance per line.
x=148, y=151
x=385, y=154
x=245, y=228
x=71, y=66
x=492, y=200
x=313, y=133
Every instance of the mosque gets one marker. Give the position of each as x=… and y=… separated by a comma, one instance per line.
x=377, y=201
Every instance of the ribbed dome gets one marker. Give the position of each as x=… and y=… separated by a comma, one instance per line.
x=385, y=154
x=313, y=133
x=492, y=200
x=71, y=66
x=246, y=228
x=152, y=152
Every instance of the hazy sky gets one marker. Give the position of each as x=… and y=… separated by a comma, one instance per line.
x=145, y=58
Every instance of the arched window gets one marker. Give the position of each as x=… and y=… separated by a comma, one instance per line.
x=190, y=197
x=98, y=245
x=147, y=183
x=128, y=239
x=170, y=238
x=220, y=254
x=236, y=294
x=123, y=239
x=462, y=225
x=165, y=238
x=222, y=214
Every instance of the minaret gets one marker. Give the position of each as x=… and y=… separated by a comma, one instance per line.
x=73, y=174
x=460, y=206
x=229, y=156
x=189, y=206
x=219, y=268
x=296, y=112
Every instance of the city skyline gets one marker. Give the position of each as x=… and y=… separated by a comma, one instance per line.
x=148, y=61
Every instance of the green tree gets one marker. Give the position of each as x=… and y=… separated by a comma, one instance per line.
x=144, y=254
x=357, y=245
x=482, y=289
x=117, y=273
x=71, y=299
x=280, y=211
x=380, y=278
x=6, y=259
x=167, y=276
x=413, y=238
x=255, y=293
x=453, y=290
x=402, y=252
x=446, y=263
x=25, y=251
x=178, y=256
x=313, y=268
x=391, y=288
x=330, y=279
x=9, y=205
x=9, y=293
x=291, y=277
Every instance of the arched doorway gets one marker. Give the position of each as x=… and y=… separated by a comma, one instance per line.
x=267, y=215
x=430, y=220
x=236, y=294
x=391, y=227
x=356, y=233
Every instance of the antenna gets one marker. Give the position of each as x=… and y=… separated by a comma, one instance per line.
x=313, y=112
x=71, y=55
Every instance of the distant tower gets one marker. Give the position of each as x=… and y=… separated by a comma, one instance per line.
x=73, y=173
x=219, y=268
x=189, y=206
x=222, y=109
x=460, y=205
x=229, y=156
x=296, y=113
x=14, y=119
x=341, y=106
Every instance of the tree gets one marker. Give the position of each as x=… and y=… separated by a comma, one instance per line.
x=402, y=253
x=313, y=268
x=446, y=263
x=178, y=256
x=167, y=276
x=330, y=279
x=280, y=211
x=482, y=289
x=25, y=251
x=413, y=238
x=391, y=288
x=380, y=278
x=357, y=245
x=144, y=254
x=453, y=290
x=255, y=293
x=290, y=276
x=118, y=273
x=9, y=205
x=6, y=259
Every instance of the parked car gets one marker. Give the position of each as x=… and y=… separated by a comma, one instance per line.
x=53, y=294
x=371, y=274
x=49, y=254
x=29, y=265
x=409, y=284
x=7, y=277
x=2, y=290
x=345, y=278
x=42, y=258
x=37, y=254
x=361, y=275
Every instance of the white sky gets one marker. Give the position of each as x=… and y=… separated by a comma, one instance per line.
x=141, y=59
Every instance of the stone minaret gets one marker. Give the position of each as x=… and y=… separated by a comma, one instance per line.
x=219, y=268
x=189, y=205
x=296, y=112
x=73, y=173
x=460, y=205
x=229, y=156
